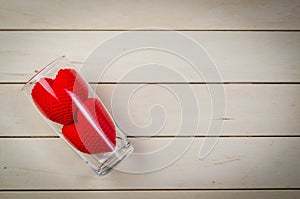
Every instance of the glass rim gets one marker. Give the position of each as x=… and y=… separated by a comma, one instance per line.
x=44, y=69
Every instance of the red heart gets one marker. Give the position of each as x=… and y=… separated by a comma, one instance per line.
x=94, y=132
x=55, y=98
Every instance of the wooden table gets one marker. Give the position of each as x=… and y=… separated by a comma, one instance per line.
x=255, y=45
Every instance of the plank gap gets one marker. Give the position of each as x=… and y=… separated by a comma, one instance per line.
x=199, y=30
x=181, y=189
x=162, y=136
x=10, y=83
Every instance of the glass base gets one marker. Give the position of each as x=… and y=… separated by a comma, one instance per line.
x=112, y=161
x=103, y=163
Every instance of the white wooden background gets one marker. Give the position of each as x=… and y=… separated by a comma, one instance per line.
x=256, y=45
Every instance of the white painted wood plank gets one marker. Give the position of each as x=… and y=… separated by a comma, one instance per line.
x=239, y=56
x=251, y=110
x=292, y=194
x=271, y=14
x=234, y=163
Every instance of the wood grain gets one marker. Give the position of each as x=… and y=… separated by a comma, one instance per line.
x=239, y=56
x=251, y=110
x=188, y=15
x=234, y=163
x=249, y=41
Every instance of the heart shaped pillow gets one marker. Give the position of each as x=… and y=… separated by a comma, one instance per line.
x=94, y=132
x=55, y=97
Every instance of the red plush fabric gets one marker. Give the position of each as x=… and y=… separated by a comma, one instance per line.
x=94, y=132
x=55, y=97
x=87, y=125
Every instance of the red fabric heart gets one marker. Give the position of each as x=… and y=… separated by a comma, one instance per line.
x=94, y=132
x=55, y=98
